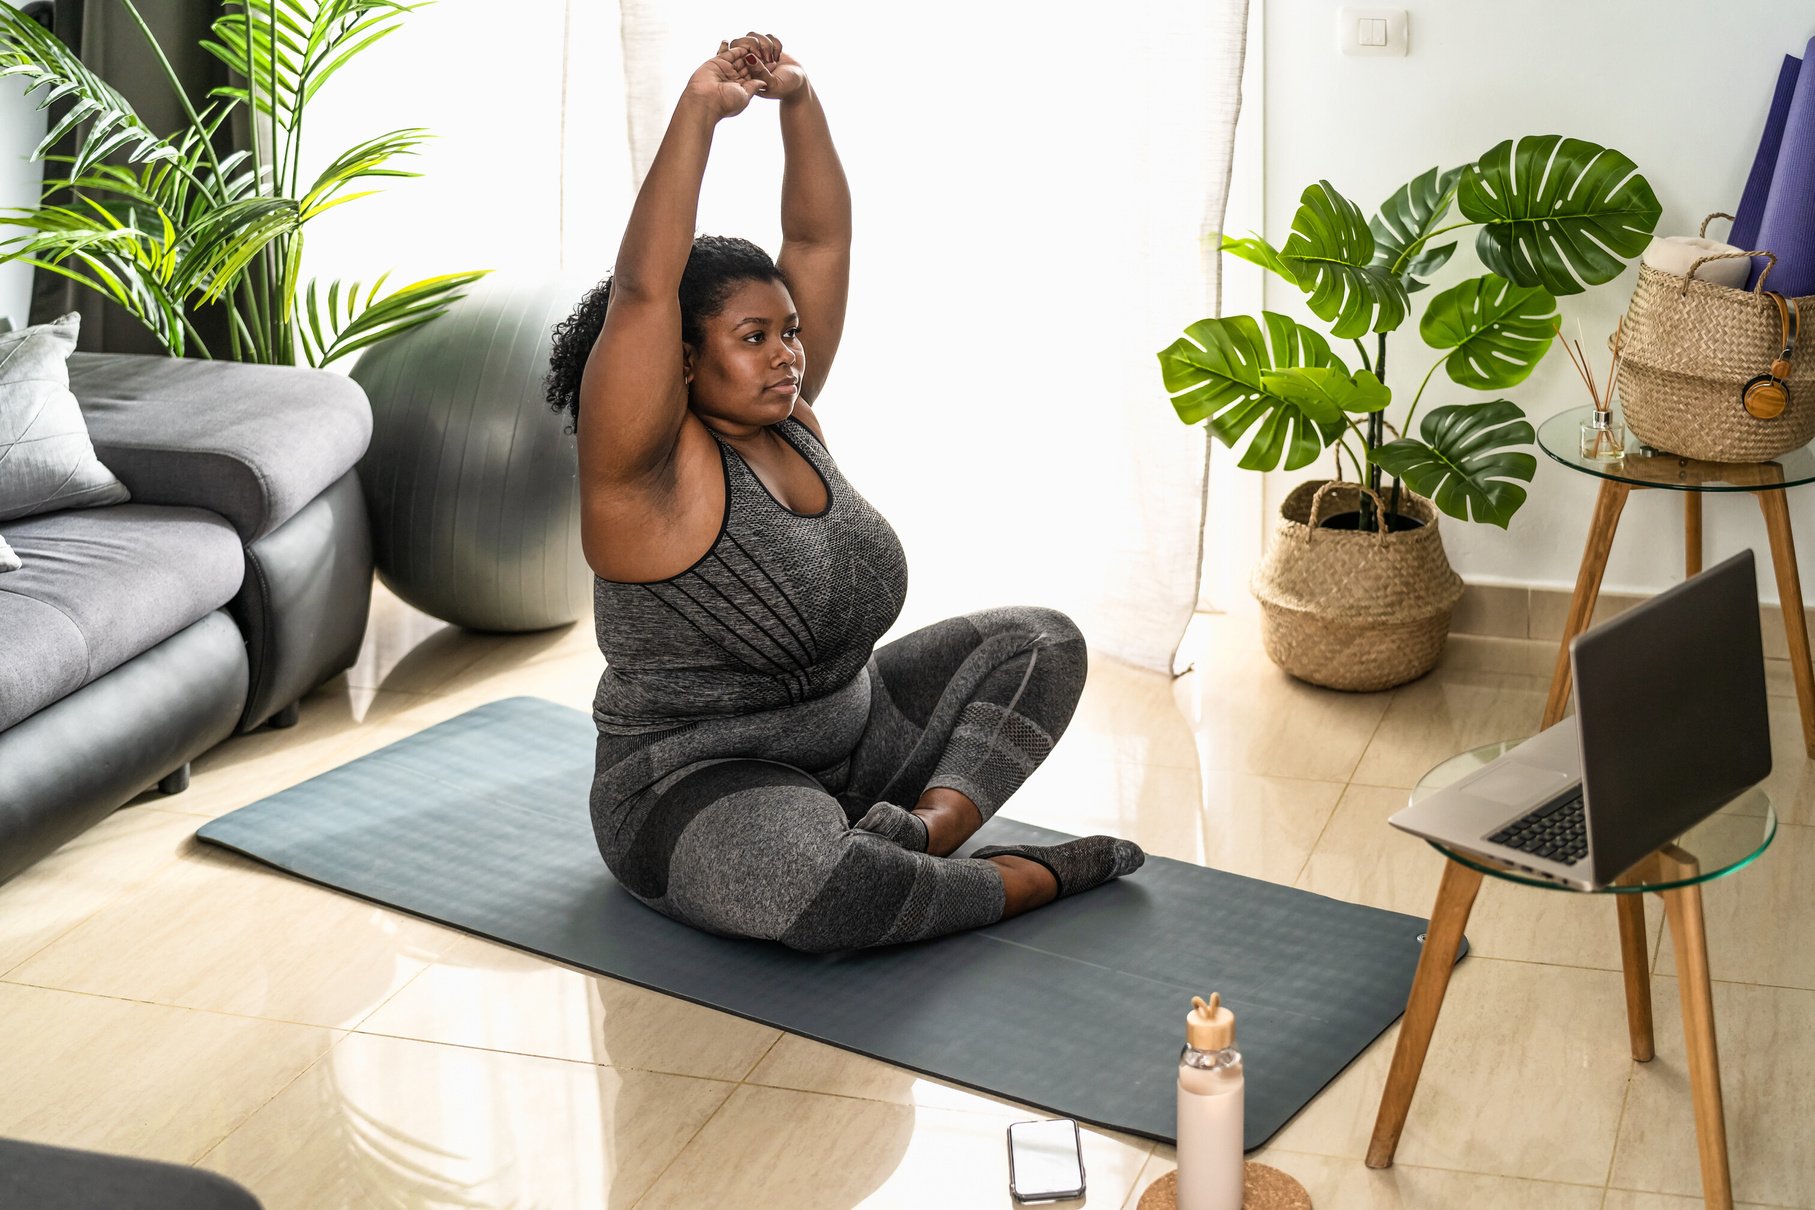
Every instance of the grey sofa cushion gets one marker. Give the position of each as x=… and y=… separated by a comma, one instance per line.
x=101, y=585
x=46, y=461
x=8, y=560
x=252, y=443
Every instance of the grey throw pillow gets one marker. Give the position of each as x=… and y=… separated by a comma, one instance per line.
x=47, y=462
x=8, y=560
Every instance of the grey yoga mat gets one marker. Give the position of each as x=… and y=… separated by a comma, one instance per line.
x=1078, y=1008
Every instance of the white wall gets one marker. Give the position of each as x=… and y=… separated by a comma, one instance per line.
x=1678, y=85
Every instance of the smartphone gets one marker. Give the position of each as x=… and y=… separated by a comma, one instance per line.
x=1044, y=1161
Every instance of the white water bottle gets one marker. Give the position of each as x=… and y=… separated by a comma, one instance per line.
x=1210, y=1110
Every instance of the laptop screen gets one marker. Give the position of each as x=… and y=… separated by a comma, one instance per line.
x=1670, y=703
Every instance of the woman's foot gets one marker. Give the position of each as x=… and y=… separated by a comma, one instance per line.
x=892, y=823
x=1026, y=885
x=950, y=818
x=942, y=820
x=1076, y=865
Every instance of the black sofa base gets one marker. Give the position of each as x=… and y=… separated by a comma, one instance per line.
x=74, y=762
x=304, y=602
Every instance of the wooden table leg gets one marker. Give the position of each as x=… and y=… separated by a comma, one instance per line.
x=1683, y=907
x=1692, y=533
x=1607, y=508
x=1789, y=591
x=1455, y=898
x=1635, y=959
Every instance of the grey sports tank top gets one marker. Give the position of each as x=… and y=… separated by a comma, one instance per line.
x=783, y=607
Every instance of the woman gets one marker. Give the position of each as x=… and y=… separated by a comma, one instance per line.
x=754, y=746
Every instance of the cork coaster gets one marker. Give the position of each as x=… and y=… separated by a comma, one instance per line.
x=1263, y=1188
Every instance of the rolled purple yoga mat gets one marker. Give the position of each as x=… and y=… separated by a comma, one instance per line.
x=1788, y=224
x=1758, y=185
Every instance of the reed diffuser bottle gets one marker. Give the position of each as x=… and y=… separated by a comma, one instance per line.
x=1210, y=1166
x=1603, y=437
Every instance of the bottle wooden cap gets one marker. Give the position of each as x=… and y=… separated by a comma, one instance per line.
x=1210, y=1026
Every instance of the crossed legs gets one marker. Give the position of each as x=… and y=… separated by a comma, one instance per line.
x=964, y=711
x=960, y=713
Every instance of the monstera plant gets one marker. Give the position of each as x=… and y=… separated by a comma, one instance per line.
x=1554, y=215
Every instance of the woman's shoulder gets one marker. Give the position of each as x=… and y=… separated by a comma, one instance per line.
x=803, y=412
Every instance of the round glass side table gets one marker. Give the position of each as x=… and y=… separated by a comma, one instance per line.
x=1643, y=467
x=1724, y=843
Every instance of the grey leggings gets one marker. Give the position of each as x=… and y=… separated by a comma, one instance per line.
x=742, y=826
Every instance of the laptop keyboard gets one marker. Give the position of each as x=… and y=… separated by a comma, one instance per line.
x=1556, y=831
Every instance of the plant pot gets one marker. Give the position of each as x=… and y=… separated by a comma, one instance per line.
x=1351, y=610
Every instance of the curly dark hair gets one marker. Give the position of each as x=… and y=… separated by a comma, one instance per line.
x=716, y=264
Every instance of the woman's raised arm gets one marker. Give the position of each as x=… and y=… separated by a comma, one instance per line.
x=815, y=252
x=633, y=396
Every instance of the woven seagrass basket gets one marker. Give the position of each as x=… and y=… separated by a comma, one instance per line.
x=1689, y=346
x=1351, y=610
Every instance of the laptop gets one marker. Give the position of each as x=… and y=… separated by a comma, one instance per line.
x=1670, y=725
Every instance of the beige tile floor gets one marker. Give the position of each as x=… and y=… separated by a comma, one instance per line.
x=166, y=999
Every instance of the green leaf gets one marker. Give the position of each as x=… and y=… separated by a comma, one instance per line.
x=1416, y=209
x=321, y=74
x=1465, y=461
x=1559, y=213
x=367, y=159
x=1330, y=254
x=1215, y=371
x=1258, y=251
x=27, y=49
x=313, y=41
x=1499, y=331
x=404, y=308
x=226, y=241
x=1327, y=391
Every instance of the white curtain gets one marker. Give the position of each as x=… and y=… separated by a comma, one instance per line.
x=1031, y=186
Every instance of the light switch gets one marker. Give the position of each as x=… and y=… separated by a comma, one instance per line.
x=1372, y=31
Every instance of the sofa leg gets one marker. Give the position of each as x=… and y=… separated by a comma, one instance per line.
x=286, y=717
x=177, y=782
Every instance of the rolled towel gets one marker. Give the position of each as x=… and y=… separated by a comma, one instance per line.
x=1678, y=253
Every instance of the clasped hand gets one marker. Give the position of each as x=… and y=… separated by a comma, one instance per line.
x=751, y=66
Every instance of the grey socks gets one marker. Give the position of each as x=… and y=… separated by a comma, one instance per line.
x=892, y=823
x=1077, y=864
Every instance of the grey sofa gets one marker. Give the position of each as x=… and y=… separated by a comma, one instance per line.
x=237, y=579
x=38, y=1177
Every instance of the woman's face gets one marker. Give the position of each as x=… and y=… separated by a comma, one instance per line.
x=749, y=366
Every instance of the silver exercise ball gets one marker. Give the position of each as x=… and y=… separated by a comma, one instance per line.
x=471, y=480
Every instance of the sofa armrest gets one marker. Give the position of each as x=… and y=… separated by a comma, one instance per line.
x=252, y=443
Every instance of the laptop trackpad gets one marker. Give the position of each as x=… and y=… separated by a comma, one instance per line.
x=1517, y=785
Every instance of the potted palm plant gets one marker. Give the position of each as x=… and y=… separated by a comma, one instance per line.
x=179, y=226
x=1367, y=606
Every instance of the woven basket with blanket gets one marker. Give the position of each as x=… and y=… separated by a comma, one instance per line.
x=1709, y=371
